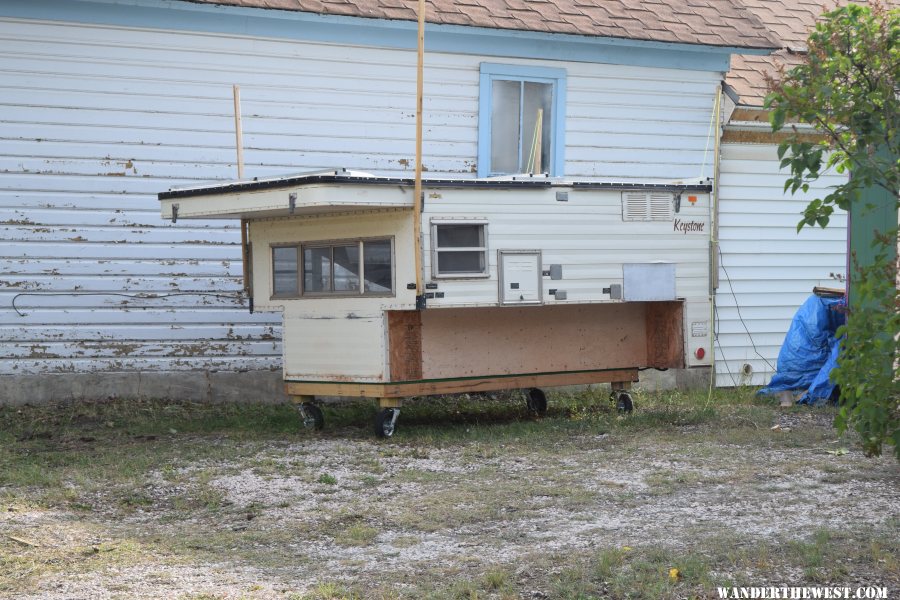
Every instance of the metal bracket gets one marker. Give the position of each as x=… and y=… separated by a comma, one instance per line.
x=292, y=202
x=174, y=213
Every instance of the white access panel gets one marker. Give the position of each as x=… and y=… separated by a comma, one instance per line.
x=646, y=282
x=520, y=277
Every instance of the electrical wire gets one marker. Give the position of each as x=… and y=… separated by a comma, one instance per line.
x=740, y=316
x=722, y=350
x=136, y=295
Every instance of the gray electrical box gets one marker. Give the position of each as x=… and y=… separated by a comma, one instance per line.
x=555, y=271
x=615, y=291
x=560, y=295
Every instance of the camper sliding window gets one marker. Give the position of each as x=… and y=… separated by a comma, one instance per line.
x=344, y=268
x=459, y=249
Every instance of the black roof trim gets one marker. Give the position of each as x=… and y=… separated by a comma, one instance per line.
x=249, y=186
x=627, y=187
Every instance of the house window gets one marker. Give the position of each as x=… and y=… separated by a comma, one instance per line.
x=521, y=120
x=346, y=268
x=459, y=249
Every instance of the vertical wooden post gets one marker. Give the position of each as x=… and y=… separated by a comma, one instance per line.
x=238, y=133
x=239, y=145
x=417, y=200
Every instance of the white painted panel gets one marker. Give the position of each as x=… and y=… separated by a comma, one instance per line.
x=766, y=268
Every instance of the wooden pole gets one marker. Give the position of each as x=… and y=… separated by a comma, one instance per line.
x=417, y=199
x=239, y=145
x=238, y=134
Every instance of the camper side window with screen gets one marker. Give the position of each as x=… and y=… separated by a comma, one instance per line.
x=346, y=268
x=459, y=249
x=284, y=272
x=520, y=120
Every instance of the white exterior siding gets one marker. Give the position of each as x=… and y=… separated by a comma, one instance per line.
x=96, y=120
x=766, y=268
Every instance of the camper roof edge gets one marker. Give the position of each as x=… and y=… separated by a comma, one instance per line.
x=352, y=178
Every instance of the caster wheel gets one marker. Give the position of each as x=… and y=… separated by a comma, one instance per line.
x=386, y=422
x=536, y=401
x=311, y=415
x=624, y=403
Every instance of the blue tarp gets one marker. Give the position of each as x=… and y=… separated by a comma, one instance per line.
x=810, y=351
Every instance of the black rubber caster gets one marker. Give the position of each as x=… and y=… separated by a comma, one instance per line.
x=386, y=422
x=311, y=415
x=536, y=401
x=624, y=402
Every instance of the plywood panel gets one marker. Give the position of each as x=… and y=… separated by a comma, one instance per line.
x=405, y=344
x=665, y=335
x=472, y=342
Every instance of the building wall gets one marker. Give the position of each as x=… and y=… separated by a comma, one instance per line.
x=97, y=119
x=766, y=268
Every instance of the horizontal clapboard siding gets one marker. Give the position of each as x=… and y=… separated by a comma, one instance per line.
x=766, y=269
x=96, y=120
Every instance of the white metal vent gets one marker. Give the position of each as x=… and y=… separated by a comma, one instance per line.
x=644, y=206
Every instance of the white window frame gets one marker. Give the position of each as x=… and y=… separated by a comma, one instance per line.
x=435, y=250
x=491, y=72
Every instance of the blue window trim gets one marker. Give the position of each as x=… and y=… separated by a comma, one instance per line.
x=176, y=15
x=555, y=77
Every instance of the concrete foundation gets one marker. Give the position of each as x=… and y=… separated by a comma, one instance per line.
x=194, y=386
x=220, y=386
x=674, y=379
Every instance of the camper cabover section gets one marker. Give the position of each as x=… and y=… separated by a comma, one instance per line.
x=528, y=281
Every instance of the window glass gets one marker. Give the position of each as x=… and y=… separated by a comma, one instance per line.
x=460, y=249
x=466, y=261
x=460, y=236
x=346, y=268
x=317, y=269
x=505, y=126
x=284, y=261
x=377, y=266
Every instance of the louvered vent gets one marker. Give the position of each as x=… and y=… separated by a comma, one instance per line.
x=643, y=206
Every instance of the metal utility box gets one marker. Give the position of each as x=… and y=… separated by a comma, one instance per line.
x=519, y=289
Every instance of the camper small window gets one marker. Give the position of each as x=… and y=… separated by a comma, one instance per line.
x=284, y=271
x=460, y=249
x=348, y=268
x=521, y=116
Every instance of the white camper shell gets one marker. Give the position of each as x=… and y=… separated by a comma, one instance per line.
x=528, y=281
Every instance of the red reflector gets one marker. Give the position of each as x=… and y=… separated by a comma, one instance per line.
x=692, y=199
x=700, y=353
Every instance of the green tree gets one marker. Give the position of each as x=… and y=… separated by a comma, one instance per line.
x=848, y=88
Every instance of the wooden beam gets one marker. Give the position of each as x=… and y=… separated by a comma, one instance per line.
x=417, y=199
x=455, y=386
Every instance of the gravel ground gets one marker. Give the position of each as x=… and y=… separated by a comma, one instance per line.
x=331, y=516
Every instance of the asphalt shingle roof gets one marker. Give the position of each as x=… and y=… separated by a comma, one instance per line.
x=706, y=22
x=789, y=22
